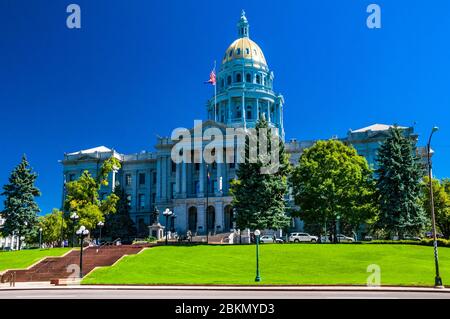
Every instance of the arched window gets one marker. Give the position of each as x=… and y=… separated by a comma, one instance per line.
x=192, y=224
x=238, y=51
x=248, y=77
x=229, y=80
x=238, y=77
x=210, y=218
x=231, y=53
x=229, y=218
x=258, y=79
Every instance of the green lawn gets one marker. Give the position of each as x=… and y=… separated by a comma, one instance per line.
x=294, y=264
x=25, y=258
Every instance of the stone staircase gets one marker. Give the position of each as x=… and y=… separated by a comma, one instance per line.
x=55, y=269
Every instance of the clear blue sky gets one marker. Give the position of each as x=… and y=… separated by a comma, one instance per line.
x=136, y=69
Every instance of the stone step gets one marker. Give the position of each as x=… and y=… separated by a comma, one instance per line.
x=55, y=268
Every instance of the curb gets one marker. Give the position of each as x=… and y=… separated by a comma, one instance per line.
x=241, y=288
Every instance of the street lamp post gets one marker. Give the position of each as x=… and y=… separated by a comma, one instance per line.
x=258, y=277
x=100, y=225
x=82, y=233
x=207, y=202
x=437, y=279
x=40, y=238
x=74, y=217
x=167, y=213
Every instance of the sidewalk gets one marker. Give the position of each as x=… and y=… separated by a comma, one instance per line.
x=48, y=286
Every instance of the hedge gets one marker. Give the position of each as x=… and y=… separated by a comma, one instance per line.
x=424, y=242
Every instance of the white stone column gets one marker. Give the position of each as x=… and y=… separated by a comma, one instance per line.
x=219, y=216
x=184, y=180
x=163, y=178
x=169, y=175
x=201, y=218
x=178, y=180
x=257, y=109
x=202, y=176
x=219, y=175
x=158, y=179
x=229, y=110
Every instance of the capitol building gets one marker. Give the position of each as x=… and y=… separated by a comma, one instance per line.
x=245, y=92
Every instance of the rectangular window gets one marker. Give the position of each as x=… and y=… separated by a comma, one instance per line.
x=174, y=167
x=128, y=179
x=197, y=166
x=141, y=178
x=129, y=200
x=141, y=201
x=197, y=187
x=154, y=177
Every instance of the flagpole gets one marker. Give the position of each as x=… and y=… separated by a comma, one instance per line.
x=215, y=92
x=243, y=91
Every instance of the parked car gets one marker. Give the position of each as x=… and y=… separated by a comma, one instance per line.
x=270, y=239
x=265, y=239
x=302, y=237
x=344, y=239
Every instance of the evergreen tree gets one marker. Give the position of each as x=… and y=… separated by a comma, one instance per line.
x=20, y=209
x=120, y=225
x=332, y=182
x=261, y=184
x=398, y=185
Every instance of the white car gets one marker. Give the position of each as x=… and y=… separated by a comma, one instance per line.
x=270, y=240
x=302, y=237
x=344, y=239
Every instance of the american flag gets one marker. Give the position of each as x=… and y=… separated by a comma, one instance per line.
x=212, y=78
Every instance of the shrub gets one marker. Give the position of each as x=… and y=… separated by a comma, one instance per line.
x=424, y=242
x=151, y=239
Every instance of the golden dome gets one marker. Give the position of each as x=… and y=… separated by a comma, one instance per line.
x=244, y=48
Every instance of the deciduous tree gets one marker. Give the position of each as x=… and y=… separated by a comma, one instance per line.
x=333, y=182
x=82, y=196
x=441, y=199
x=52, y=225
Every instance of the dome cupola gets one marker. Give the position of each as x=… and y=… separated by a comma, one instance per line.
x=244, y=47
x=244, y=91
x=243, y=26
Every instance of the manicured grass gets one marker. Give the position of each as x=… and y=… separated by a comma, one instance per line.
x=25, y=258
x=289, y=264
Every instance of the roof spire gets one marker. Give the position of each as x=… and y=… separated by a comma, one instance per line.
x=243, y=26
